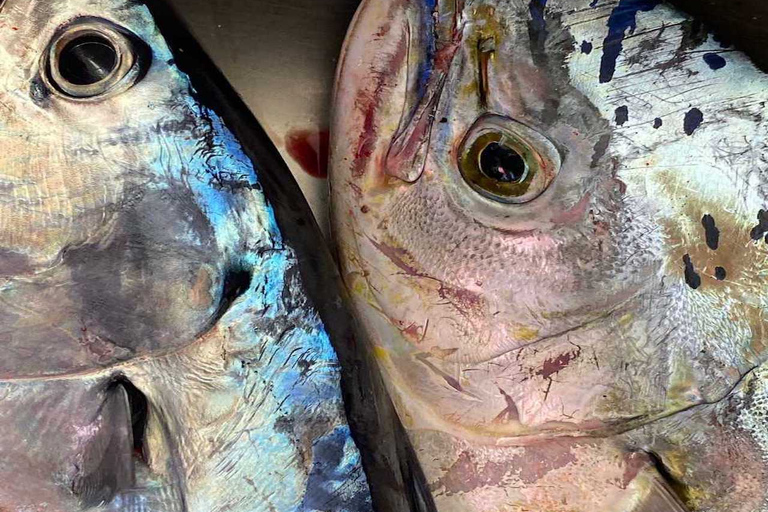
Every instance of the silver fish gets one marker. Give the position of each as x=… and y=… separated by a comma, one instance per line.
x=166, y=305
x=552, y=218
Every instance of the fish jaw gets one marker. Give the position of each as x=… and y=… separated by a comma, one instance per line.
x=577, y=313
x=143, y=255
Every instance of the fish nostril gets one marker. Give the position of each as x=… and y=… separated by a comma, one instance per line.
x=87, y=60
x=236, y=283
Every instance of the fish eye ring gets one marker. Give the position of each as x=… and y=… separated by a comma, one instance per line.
x=89, y=59
x=506, y=161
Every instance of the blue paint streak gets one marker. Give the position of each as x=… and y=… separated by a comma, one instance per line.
x=622, y=18
x=427, y=64
x=714, y=61
x=536, y=8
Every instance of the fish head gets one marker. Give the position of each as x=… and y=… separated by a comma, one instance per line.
x=101, y=133
x=160, y=345
x=541, y=219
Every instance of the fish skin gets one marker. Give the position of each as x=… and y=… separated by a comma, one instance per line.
x=154, y=237
x=592, y=315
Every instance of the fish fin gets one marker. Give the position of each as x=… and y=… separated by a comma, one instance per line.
x=427, y=73
x=105, y=464
x=661, y=497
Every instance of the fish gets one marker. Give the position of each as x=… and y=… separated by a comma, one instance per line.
x=173, y=333
x=551, y=218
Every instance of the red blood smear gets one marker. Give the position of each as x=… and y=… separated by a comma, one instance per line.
x=310, y=149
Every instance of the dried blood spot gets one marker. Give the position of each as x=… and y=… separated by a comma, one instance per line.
x=310, y=149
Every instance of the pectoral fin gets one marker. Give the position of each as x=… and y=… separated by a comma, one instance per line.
x=661, y=497
x=106, y=460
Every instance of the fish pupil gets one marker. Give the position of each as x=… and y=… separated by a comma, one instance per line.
x=87, y=60
x=502, y=163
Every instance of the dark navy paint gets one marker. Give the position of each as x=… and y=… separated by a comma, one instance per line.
x=622, y=115
x=693, y=119
x=720, y=273
x=714, y=61
x=711, y=233
x=537, y=27
x=622, y=18
x=536, y=7
x=586, y=47
x=692, y=278
x=657, y=123
x=762, y=226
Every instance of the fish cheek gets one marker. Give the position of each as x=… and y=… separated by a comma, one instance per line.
x=155, y=283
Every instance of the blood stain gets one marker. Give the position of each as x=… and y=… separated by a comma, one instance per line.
x=310, y=149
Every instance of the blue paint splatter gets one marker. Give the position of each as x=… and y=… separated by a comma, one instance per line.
x=586, y=47
x=622, y=18
x=657, y=123
x=622, y=115
x=714, y=60
x=720, y=273
x=693, y=119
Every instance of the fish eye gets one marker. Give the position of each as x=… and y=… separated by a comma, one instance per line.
x=87, y=60
x=506, y=161
x=91, y=59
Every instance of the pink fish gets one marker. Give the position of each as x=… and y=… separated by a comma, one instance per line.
x=551, y=217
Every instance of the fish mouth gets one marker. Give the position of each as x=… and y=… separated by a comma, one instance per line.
x=147, y=492
x=124, y=480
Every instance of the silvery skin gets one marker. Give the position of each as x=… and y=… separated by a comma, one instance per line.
x=161, y=351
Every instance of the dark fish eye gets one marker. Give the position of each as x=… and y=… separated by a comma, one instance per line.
x=91, y=58
x=87, y=60
x=503, y=163
x=506, y=161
